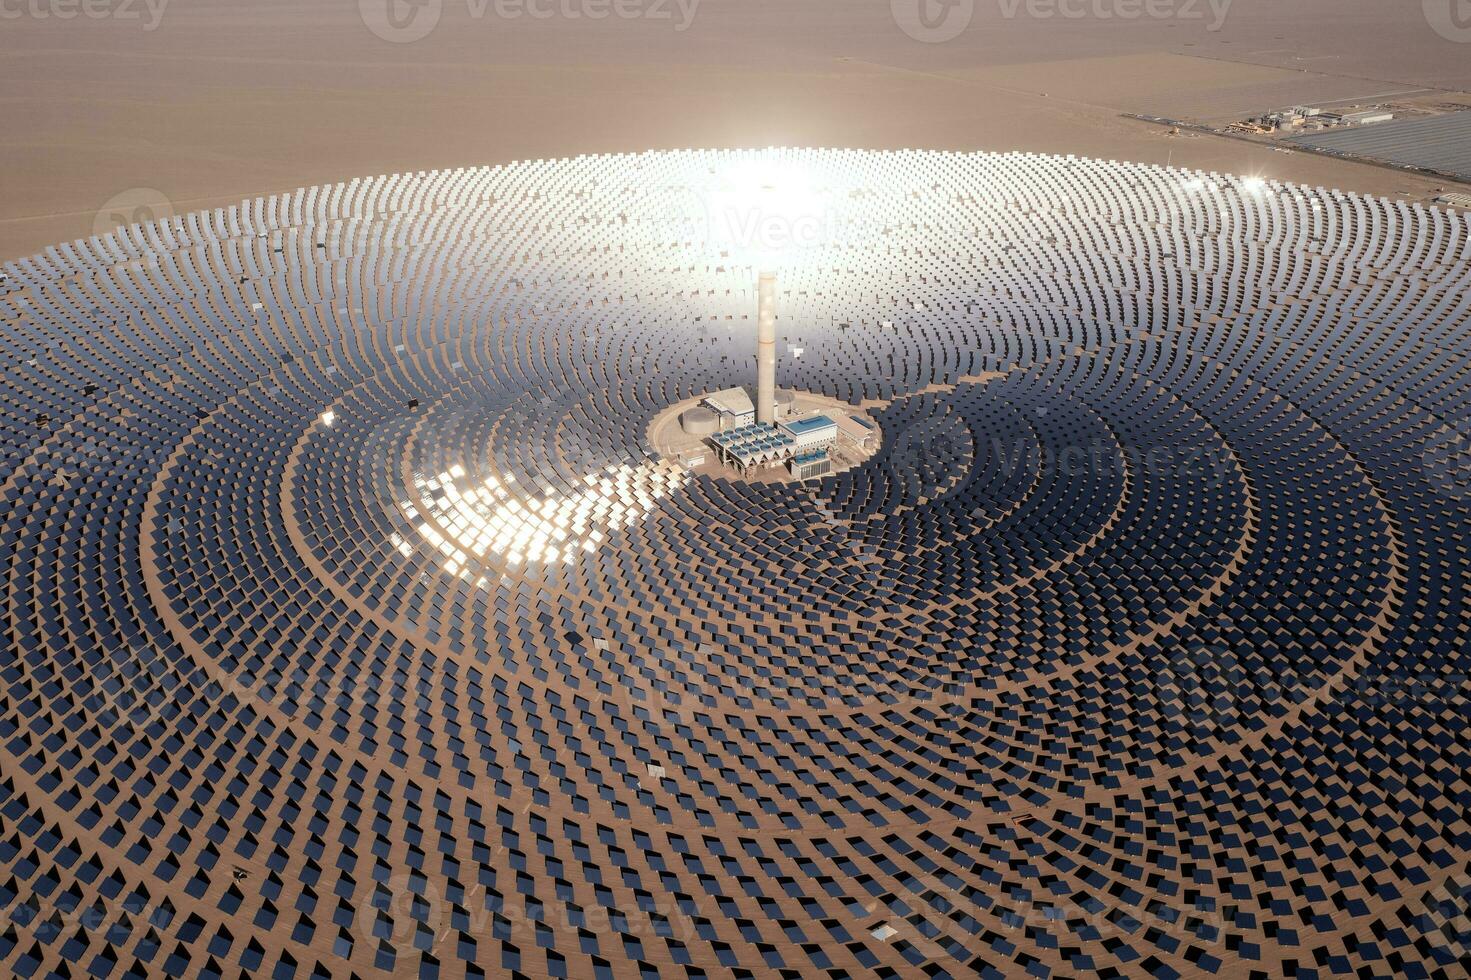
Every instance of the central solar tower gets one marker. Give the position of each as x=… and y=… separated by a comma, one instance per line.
x=766, y=348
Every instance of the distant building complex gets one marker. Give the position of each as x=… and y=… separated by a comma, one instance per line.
x=1310, y=119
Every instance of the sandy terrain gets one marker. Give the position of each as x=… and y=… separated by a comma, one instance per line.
x=221, y=101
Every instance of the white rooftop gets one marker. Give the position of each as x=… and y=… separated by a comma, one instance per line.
x=732, y=401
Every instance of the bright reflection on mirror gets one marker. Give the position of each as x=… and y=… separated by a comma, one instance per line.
x=473, y=523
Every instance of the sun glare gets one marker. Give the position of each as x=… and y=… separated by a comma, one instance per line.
x=768, y=210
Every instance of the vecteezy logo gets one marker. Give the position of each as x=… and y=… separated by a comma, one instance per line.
x=401, y=21
x=932, y=21
x=1445, y=917
x=1451, y=19
x=136, y=205
x=1446, y=460
x=405, y=908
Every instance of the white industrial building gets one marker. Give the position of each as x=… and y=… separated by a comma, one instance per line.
x=813, y=432
x=1365, y=117
x=734, y=406
x=857, y=432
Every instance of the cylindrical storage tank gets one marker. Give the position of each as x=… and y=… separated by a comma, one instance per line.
x=785, y=400
x=699, y=421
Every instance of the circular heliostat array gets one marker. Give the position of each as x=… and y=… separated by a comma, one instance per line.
x=353, y=626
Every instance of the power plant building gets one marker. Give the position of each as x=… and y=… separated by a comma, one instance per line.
x=734, y=406
x=754, y=446
x=750, y=436
x=807, y=466
x=813, y=432
x=1366, y=117
x=855, y=431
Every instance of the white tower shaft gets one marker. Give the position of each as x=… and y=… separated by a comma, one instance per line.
x=766, y=348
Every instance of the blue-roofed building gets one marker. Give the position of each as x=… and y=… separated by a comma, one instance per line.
x=812, y=432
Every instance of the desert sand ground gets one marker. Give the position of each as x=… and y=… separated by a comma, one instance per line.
x=196, y=103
